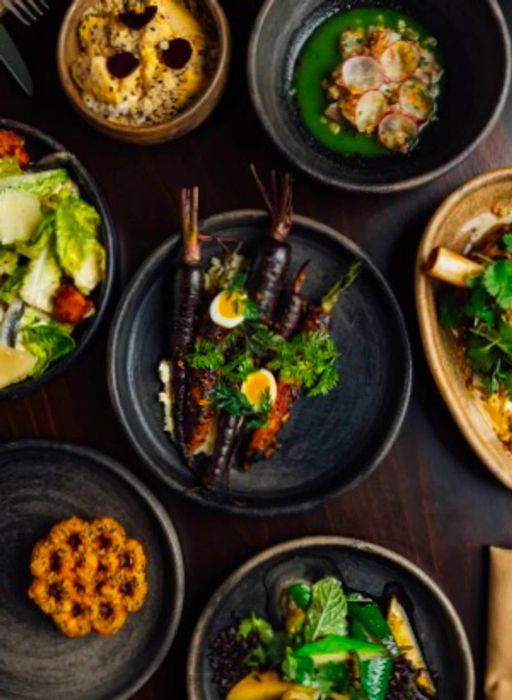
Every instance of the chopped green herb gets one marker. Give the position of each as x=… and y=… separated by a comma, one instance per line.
x=205, y=356
x=497, y=280
x=310, y=361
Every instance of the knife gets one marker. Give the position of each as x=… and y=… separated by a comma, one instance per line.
x=11, y=58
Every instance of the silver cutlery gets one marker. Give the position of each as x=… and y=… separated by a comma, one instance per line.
x=13, y=61
x=27, y=11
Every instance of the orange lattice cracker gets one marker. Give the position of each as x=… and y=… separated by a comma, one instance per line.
x=88, y=576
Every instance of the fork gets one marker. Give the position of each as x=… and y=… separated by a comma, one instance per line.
x=27, y=11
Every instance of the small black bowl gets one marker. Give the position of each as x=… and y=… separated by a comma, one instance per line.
x=41, y=483
x=361, y=566
x=40, y=145
x=330, y=443
x=475, y=43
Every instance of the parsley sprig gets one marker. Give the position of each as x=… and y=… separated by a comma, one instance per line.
x=309, y=360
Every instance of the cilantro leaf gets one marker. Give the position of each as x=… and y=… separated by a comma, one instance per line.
x=448, y=309
x=479, y=306
x=497, y=280
x=507, y=242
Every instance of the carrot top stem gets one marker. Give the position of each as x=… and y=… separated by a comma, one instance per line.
x=334, y=294
x=279, y=202
x=190, y=228
x=300, y=277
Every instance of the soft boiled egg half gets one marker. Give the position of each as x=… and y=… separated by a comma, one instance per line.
x=227, y=309
x=256, y=384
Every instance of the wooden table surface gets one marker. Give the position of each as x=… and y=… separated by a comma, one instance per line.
x=431, y=499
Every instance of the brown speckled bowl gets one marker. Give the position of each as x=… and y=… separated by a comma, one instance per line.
x=448, y=227
x=190, y=118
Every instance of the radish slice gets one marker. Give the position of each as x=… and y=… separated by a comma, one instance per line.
x=400, y=60
x=415, y=99
x=362, y=73
x=369, y=111
x=398, y=132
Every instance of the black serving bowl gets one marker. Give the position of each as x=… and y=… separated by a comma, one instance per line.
x=475, y=43
x=39, y=146
x=331, y=442
x=361, y=566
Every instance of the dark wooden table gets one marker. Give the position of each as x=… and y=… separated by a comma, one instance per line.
x=430, y=500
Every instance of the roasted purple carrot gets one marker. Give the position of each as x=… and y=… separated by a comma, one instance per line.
x=263, y=443
x=187, y=298
x=291, y=310
x=265, y=287
x=320, y=317
x=229, y=428
x=268, y=280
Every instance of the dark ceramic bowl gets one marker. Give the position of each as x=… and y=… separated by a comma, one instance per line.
x=40, y=484
x=360, y=566
x=39, y=145
x=331, y=443
x=475, y=43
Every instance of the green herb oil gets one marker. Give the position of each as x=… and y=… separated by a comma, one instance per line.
x=319, y=57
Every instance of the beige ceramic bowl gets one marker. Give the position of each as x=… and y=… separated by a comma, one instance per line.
x=68, y=49
x=452, y=226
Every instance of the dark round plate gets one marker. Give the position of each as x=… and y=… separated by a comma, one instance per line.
x=360, y=566
x=40, y=145
x=41, y=483
x=331, y=443
x=475, y=43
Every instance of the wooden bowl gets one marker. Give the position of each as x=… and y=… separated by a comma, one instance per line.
x=447, y=227
x=68, y=49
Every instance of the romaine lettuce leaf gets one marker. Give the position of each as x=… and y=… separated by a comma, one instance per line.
x=10, y=288
x=9, y=166
x=8, y=260
x=80, y=253
x=47, y=340
x=20, y=215
x=41, y=238
x=42, y=183
x=41, y=281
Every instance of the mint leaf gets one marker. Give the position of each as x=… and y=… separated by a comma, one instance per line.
x=327, y=613
x=497, y=280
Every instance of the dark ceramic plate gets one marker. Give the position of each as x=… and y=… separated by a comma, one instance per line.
x=330, y=443
x=41, y=483
x=39, y=145
x=361, y=566
x=476, y=47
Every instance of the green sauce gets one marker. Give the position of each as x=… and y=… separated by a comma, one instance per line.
x=319, y=57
